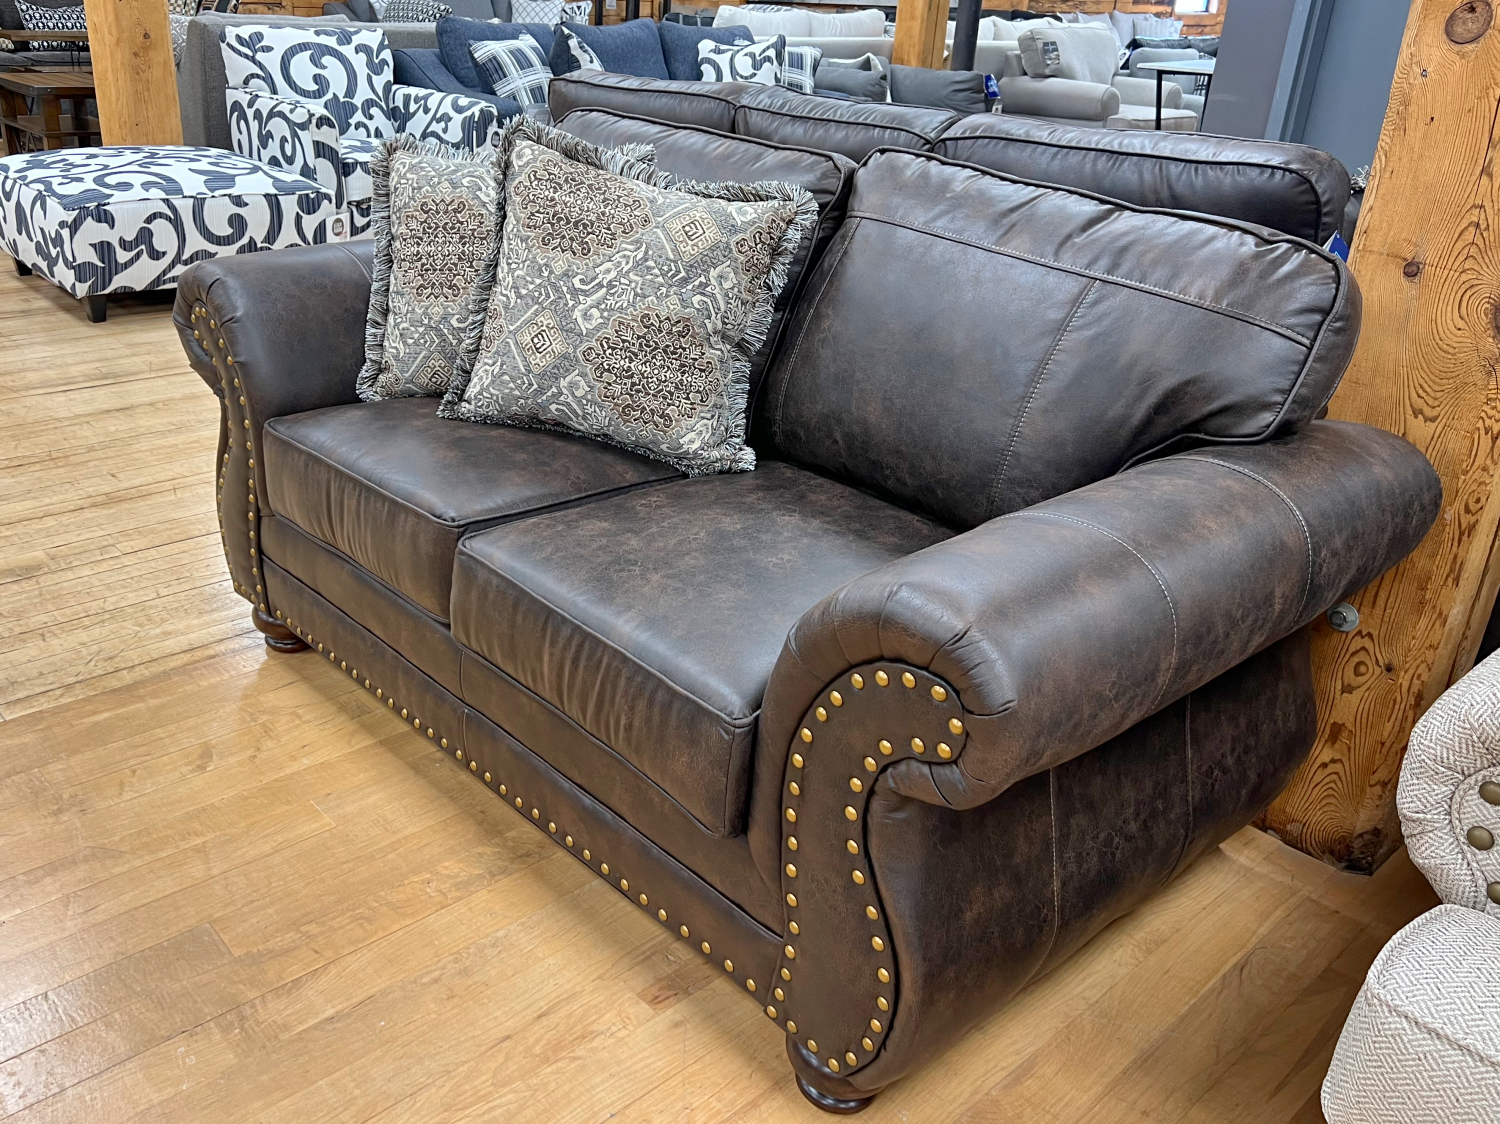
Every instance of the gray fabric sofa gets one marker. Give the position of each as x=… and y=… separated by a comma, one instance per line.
x=200, y=76
x=362, y=11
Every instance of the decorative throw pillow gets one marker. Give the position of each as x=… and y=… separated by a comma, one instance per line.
x=547, y=12
x=182, y=7
x=869, y=82
x=220, y=7
x=582, y=53
x=514, y=68
x=757, y=63
x=36, y=18
x=623, y=304
x=415, y=11
x=578, y=11
x=433, y=218
x=798, y=65
x=178, y=25
x=345, y=70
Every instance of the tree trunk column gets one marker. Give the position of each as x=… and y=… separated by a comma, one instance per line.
x=130, y=46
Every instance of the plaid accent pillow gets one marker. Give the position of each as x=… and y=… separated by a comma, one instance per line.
x=756, y=63
x=798, y=65
x=514, y=68
x=415, y=11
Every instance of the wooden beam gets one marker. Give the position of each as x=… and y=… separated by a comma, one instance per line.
x=130, y=45
x=921, y=33
x=1427, y=255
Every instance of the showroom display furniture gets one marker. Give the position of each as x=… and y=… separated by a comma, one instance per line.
x=1199, y=69
x=973, y=662
x=96, y=221
x=1087, y=88
x=326, y=126
x=1422, y=1042
x=201, y=81
x=1191, y=98
x=1289, y=187
x=49, y=127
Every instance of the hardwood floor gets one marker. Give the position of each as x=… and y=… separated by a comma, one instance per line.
x=233, y=888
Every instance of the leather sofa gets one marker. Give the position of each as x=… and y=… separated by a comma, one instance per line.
x=1009, y=625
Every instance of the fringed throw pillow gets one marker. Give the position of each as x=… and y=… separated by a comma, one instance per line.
x=625, y=305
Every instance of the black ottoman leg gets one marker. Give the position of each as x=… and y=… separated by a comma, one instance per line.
x=94, y=306
x=22, y=269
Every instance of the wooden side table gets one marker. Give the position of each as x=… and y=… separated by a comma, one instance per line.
x=49, y=127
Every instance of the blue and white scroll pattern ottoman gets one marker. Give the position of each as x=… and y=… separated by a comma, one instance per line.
x=130, y=219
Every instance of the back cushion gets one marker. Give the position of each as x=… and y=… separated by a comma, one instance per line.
x=454, y=35
x=852, y=129
x=1288, y=187
x=679, y=46
x=791, y=21
x=867, y=23
x=633, y=47
x=972, y=345
x=710, y=105
x=1084, y=54
x=346, y=70
x=699, y=154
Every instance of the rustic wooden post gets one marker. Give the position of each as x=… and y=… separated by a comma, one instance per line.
x=1427, y=257
x=135, y=83
x=921, y=33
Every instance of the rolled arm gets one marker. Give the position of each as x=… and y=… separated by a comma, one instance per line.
x=1454, y=750
x=271, y=334
x=285, y=133
x=1059, y=97
x=450, y=119
x=1142, y=91
x=1065, y=624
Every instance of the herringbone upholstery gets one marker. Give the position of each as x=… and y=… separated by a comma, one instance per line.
x=1422, y=1044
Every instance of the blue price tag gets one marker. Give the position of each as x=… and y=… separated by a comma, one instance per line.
x=1337, y=246
x=991, y=87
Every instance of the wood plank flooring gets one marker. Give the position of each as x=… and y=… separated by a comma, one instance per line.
x=234, y=889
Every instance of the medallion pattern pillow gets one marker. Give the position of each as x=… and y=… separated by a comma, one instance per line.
x=514, y=68
x=37, y=18
x=798, y=66
x=434, y=219
x=622, y=304
x=756, y=63
x=415, y=11
x=345, y=71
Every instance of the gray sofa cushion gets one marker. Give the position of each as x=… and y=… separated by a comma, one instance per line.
x=959, y=90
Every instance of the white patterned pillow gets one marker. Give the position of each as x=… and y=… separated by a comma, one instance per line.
x=798, y=65
x=514, y=68
x=549, y=12
x=415, y=11
x=1155, y=27
x=37, y=18
x=578, y=11
x=756, y=63
x=582, y=53
x=345, y=71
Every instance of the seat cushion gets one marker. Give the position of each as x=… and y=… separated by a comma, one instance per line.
x=394, y=487
x=653, y=619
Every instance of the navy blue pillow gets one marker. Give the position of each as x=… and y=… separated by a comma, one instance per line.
x=632, y=47
x=679, y=46
x=454, y=34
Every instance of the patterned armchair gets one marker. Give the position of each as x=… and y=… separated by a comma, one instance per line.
x=319, y=101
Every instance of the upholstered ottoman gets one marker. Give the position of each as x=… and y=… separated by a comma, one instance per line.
x=95, y=221
x=1422, y=1044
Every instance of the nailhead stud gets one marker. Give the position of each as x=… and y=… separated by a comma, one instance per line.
x=908, y=679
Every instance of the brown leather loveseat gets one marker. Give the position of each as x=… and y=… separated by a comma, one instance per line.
x=1010, y=623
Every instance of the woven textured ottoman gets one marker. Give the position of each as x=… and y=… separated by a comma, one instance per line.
x=1422, y=1044
x=95, y=221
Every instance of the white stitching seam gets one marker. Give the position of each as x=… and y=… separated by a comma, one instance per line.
x=1171, y=608
x=1284, y=498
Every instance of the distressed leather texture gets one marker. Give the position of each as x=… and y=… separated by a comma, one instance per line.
x=706, y=156
x=853, y=129
x=1069, y=497
x=1292, y=188
x=396, y=488
x=653, y=619
x=996, y=412
x=710, y=105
